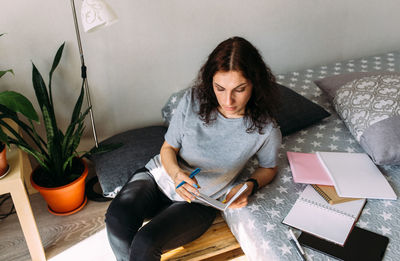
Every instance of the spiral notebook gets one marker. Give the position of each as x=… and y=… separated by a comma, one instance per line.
x=312, y=214
x=330, y=195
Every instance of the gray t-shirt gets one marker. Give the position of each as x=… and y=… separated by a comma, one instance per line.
x=221, y=149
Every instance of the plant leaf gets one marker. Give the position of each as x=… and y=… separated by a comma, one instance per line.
x=53, y=143
x=4, y=72
x=18, y=103
x=76, y=137
x=78, y=106
x=69, y=142
x=56, y=61
x=38, y=156
x=50, y=123
x=7, y=113
x=40, y=89
x=4, y=137
x=12, y=133
x=68, y=162
x=35, y=136
x=103, y=148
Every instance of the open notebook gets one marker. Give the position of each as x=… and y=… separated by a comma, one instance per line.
x=312, y=214
x=353, y=175
x=218, y=204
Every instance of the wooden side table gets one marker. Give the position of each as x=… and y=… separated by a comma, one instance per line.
x=13, y=183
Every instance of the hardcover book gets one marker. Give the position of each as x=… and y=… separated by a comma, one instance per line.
x=361, y=245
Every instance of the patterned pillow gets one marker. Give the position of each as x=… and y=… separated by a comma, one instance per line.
x=331, y=84
x=370, y=108
x=296, y=111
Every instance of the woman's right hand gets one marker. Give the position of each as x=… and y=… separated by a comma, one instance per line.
x=170, y=163
x=189, y=187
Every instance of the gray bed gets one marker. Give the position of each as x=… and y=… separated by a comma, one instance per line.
x=258, y=226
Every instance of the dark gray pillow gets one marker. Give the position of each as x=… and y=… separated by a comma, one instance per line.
x=296, y=111
x=114, y=168
x=382, y=141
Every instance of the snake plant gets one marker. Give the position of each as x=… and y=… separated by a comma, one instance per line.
x=56, y=153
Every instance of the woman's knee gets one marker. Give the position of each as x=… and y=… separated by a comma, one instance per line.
x=120, y=214
x=146, y=245
x=115, y=211
x=132, y=201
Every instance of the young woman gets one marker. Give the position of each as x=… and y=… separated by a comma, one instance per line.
x=219, y=124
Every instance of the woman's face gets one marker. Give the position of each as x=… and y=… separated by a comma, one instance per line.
x=233, y=91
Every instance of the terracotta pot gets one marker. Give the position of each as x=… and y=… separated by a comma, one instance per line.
x=3, y=162
x=67, y=199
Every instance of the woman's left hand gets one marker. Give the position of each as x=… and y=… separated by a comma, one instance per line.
x=242, y=200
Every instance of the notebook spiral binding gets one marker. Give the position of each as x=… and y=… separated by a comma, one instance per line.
x=327, y=207
x=323, y=194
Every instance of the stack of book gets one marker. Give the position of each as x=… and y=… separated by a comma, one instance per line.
x=340, y=183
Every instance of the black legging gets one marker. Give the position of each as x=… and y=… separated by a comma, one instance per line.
x=173, y=223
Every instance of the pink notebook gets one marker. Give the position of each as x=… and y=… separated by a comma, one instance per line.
x=306, y=168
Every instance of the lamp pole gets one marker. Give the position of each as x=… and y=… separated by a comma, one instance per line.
x=83, y=74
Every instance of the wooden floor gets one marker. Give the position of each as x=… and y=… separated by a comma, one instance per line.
x=60, y=233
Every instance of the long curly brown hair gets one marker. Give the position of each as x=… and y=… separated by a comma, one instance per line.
x=238, y=54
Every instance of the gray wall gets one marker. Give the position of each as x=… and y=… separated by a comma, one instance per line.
x=157, y=46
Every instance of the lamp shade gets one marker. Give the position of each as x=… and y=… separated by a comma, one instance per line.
x=96, y=14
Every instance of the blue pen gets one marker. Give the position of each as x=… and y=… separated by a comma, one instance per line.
x=194, y=173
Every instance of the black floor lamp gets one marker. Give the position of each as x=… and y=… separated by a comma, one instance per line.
x=94, y=15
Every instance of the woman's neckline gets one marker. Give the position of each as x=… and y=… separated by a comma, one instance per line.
x=220, y=115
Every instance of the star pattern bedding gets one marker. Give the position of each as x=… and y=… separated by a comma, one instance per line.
x=258, y=227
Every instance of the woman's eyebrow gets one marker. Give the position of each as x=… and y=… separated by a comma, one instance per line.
x=240, y=85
